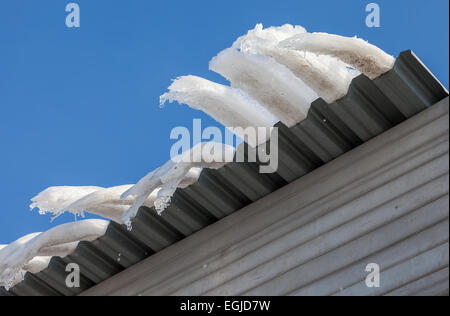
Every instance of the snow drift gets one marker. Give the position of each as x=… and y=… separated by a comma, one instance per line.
x=32, y=252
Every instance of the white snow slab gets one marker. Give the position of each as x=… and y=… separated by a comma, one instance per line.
x=270, y=83
x=329, y=77
x=104, y=202
x=122, y=203
x=231, y=107
x=28, y=253
x=367, y=58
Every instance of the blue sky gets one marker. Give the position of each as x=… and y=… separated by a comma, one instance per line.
x=80, y=106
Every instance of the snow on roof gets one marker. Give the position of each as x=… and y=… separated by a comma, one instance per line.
x=273, y=85
x=367, y=58
x=328, y=76
x=284, y=69
x=29, y=252
x=121, y=203
x=274, y=73
x=232, y=107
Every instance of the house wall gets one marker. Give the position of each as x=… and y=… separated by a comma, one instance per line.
x=385, y=202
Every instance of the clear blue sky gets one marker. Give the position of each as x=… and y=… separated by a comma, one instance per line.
x=80, y=106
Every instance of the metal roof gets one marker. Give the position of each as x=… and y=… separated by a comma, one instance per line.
x=385, y=203
x=370, y=108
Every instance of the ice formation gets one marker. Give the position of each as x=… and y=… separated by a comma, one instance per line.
x=105, y=202
x=329, y=77
x=56, y=199
x=31, y=253
x=367, y=58
x=231, y=107
x=274, y=73
x=38, y=264
x=282, y=69
x=270, y=83
x=169, y=176
x=122, y=203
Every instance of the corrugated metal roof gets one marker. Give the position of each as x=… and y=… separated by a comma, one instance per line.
x=369, y=109
x=385, y=202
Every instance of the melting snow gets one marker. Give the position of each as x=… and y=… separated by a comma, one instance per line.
x=122, y=203
x=329, y=77
x=367, y=58
x=56, y=199
x=270, y=83
x=29, y=253
x=169, y=176
x=282, y=69
x=231, y=107
x=105, y=202
x=274, y=73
